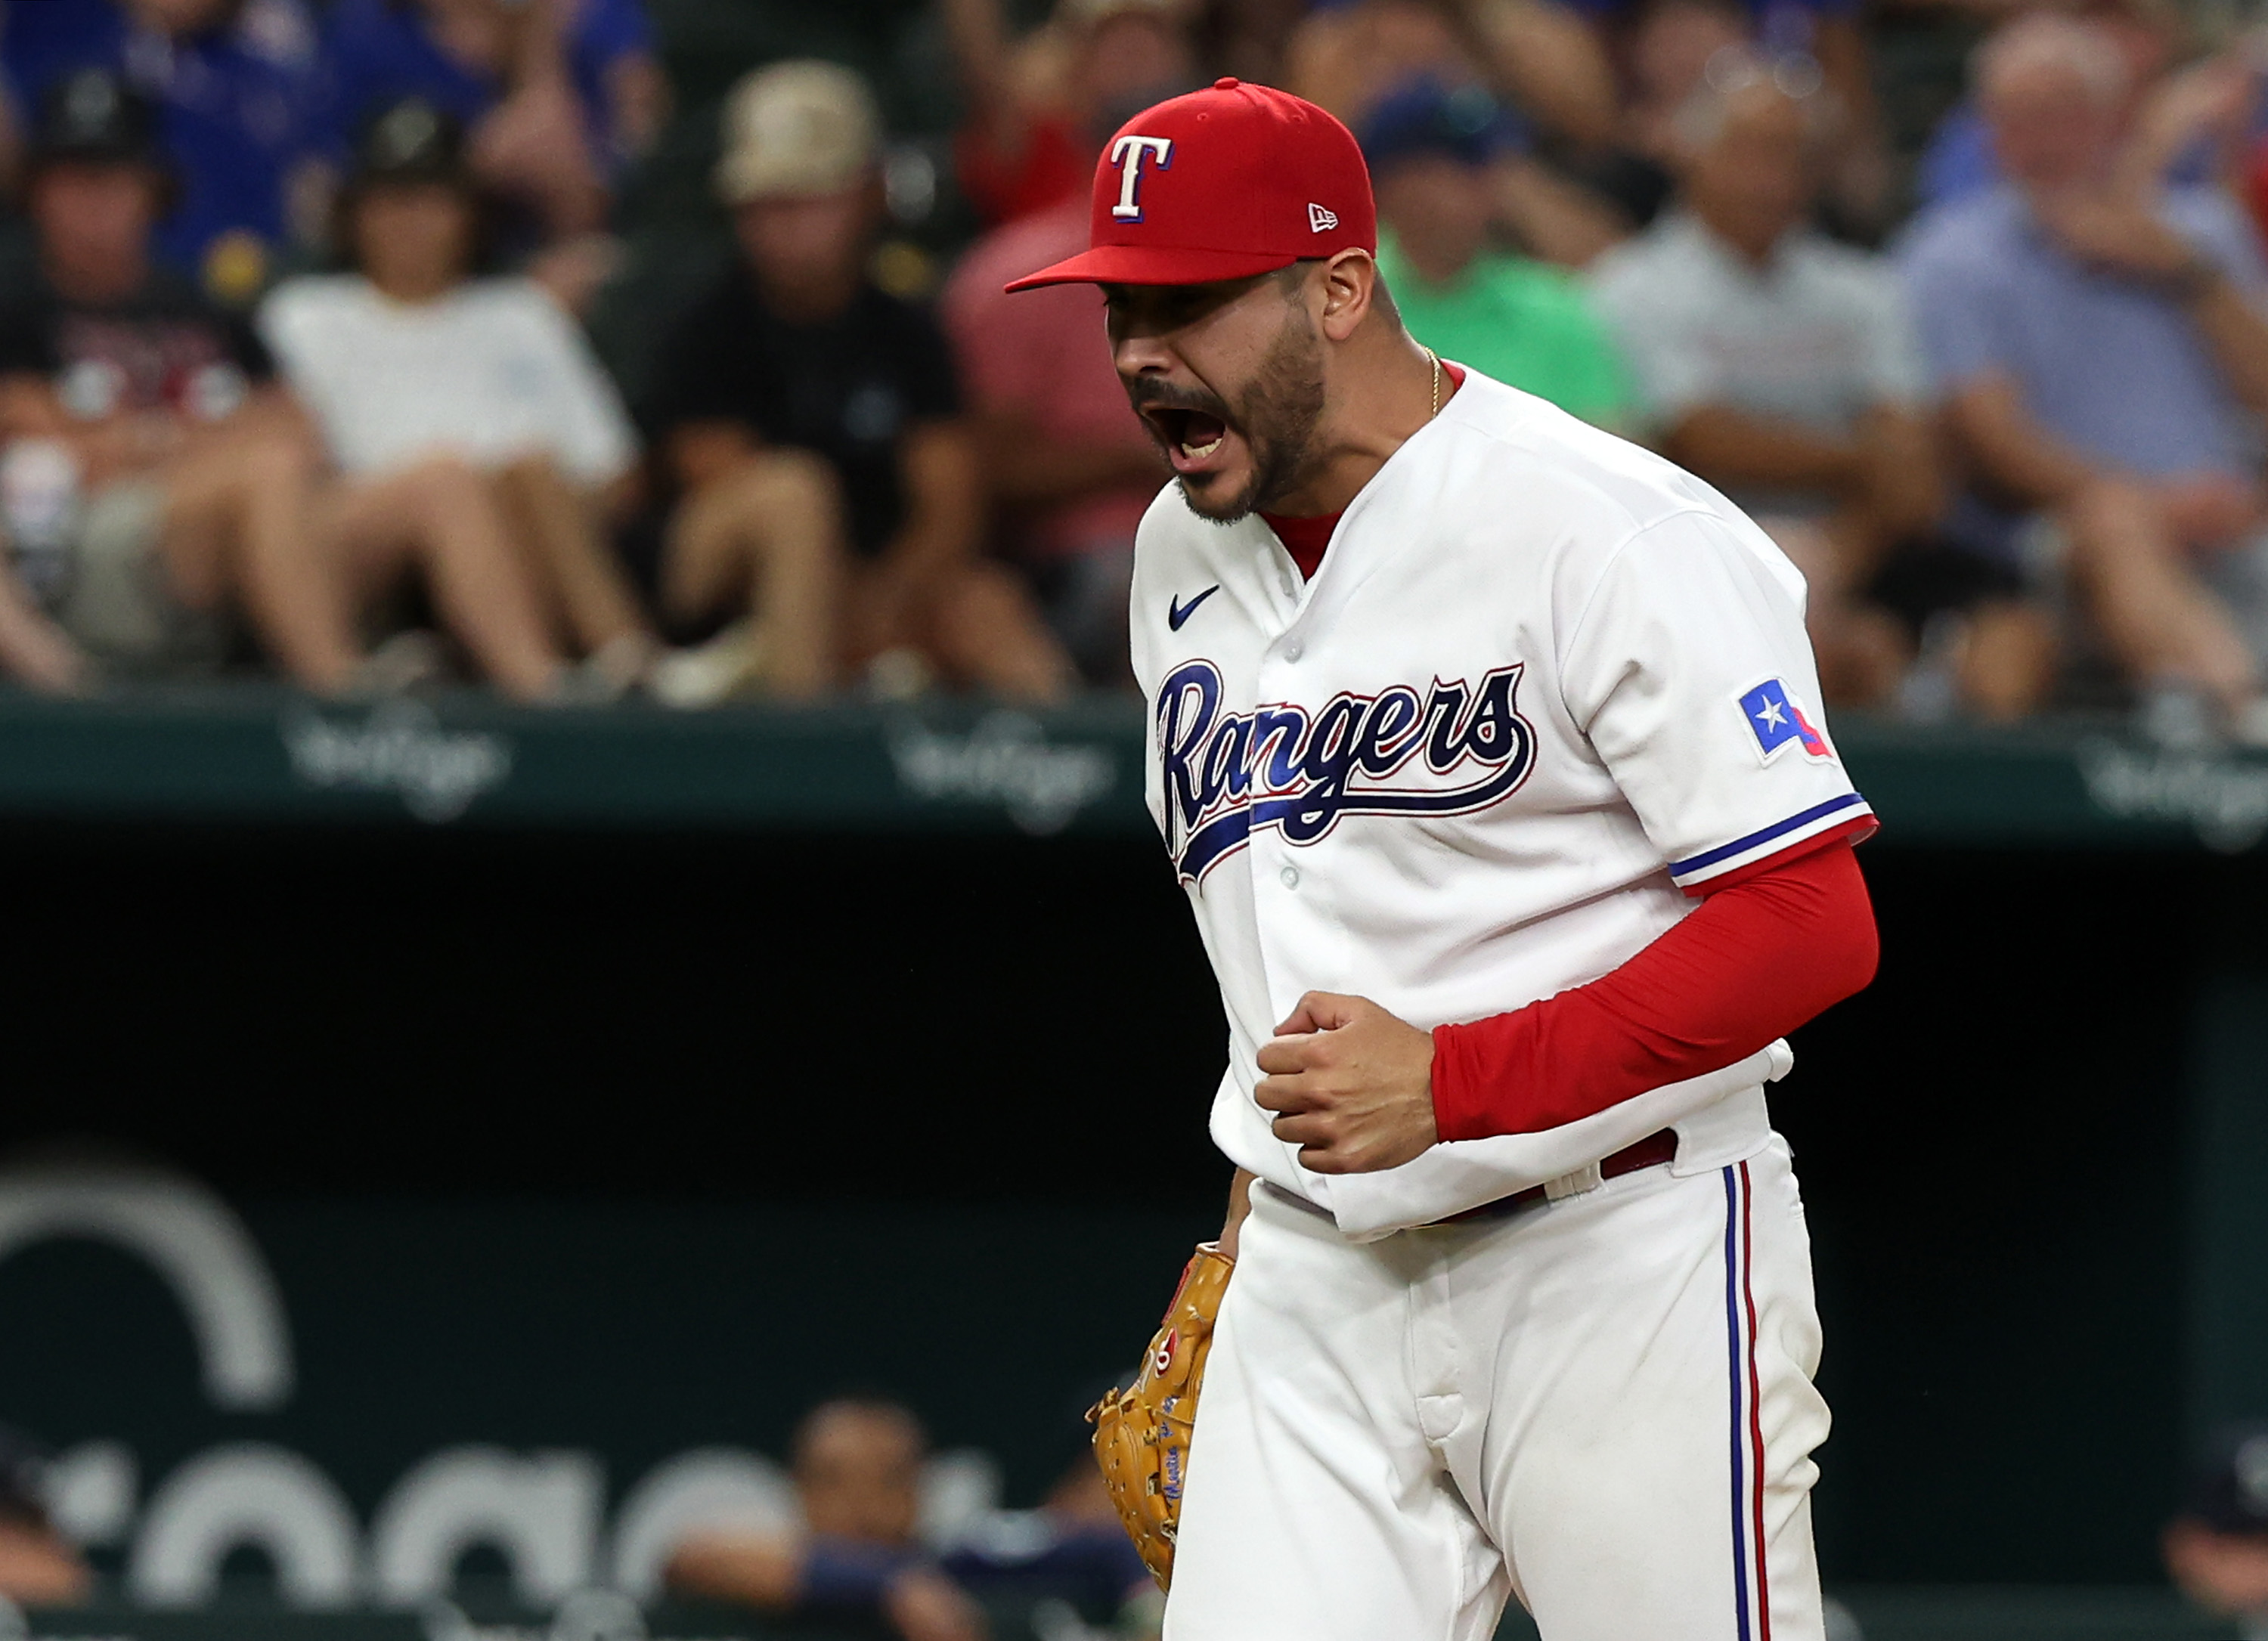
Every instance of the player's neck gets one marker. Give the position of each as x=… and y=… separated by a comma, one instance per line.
x=1380, y=393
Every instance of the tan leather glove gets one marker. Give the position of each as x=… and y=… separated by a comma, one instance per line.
x=1142, y=1434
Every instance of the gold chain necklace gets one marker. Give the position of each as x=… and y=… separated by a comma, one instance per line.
x=1436, y=358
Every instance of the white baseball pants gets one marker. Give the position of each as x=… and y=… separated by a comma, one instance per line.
x=1601, y=1407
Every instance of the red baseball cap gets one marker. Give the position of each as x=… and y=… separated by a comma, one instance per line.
x=1221, y=184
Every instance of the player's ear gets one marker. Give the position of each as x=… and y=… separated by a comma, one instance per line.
x=1350, y=285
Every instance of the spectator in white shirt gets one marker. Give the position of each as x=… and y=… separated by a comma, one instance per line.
x=157, y=483
x=419, y=373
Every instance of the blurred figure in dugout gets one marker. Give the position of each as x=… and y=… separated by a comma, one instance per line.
x=2099, y=338
x=2216, y=1548
x=827, y=494
x=1069, y=470
x=1068, y=1564
x=857, y=1463
x=449, y=401
x=38, y=1567
x=1784, y=369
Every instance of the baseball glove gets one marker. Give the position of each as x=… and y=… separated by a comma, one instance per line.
x=1142, y=1434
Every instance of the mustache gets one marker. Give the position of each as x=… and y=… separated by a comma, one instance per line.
x=1145, y=392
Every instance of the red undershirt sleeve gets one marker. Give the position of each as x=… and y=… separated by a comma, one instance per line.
x=1757, y=959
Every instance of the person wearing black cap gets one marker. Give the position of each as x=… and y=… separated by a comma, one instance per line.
x=153, y=471
x=466, y=417
x=2217, y=1547
x=556, y=98
x=1434, y=156
x=238, y=88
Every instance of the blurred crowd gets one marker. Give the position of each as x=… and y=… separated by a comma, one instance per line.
x=856, y=1552
x=1964, y=301
x=861, y=1549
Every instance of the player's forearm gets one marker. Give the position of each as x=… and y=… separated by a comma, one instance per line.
x=1749, y=964
x=2237, y=333
x=700, y=453
x=1026, y=468
x=1734, y=447
x=271, y=410
x=33, y=650
x=736, y=1567
x=976, y=37
x=2016, y=459
x=945, y=502
x=1553, y=63
x=1840, y=46
x=1906, y=491
x=1557, y=220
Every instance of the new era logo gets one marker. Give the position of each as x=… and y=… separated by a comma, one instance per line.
x=1319, y=220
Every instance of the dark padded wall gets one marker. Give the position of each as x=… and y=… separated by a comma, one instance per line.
x=323, y=1025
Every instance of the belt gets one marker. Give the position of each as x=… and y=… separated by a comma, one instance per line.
x=1655, y=1149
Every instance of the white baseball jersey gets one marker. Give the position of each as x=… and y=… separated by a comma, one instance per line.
x=1544, y=683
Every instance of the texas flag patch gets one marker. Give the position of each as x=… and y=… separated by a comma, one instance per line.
x=1778, y=723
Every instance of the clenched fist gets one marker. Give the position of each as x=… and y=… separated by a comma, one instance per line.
x=1352, y=1086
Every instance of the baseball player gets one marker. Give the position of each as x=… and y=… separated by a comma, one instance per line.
x=1489, y=750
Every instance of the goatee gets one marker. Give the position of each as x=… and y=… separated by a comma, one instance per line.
x=1281, y=410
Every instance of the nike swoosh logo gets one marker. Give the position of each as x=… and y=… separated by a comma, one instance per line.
x=1177, y=611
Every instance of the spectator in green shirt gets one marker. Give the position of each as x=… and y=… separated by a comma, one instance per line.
x=1431, y=153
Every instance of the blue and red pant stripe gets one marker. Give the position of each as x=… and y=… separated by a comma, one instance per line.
x=1751, y=1589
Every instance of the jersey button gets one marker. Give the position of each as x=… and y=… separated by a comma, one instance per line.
x=1294, y=650
x=1291, y=875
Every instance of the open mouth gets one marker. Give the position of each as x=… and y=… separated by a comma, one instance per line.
x=1191, y=436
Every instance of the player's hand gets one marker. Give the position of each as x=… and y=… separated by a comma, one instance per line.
x=1352, y=1086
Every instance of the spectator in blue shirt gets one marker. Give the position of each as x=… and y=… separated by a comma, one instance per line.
x=618, y=77
x=241, y=93
x=2100, y=345
x=559, y=96
x=2185, y=125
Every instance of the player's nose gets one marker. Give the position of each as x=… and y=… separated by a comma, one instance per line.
x=1136, y=355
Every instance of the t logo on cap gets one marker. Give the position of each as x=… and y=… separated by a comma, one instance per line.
x=1127, y=154
x=1251, y=202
